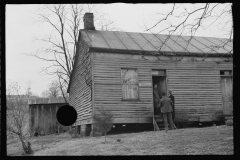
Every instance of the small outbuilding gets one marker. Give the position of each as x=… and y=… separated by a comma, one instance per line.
x=42, y=116
x=116, y=71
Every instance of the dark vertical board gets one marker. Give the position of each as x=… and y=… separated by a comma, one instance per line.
x=54, y=127
x=57, y=124
x=32, y=122
x=51, y=130
x=43, y=118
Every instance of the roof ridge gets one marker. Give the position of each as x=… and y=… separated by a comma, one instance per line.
x=151, y=33
x=159, y=43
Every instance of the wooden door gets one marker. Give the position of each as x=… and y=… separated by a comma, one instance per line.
x=227, y=95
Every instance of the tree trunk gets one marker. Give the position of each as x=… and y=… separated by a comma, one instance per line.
x=23, y=143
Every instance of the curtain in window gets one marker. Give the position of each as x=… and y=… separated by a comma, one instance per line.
x=129, y=84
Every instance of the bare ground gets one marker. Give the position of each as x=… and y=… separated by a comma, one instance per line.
x=191, y=141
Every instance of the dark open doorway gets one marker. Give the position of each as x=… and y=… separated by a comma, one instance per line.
x=159, y=78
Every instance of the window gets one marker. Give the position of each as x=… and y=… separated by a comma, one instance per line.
x=225, y=73
x=159, y=72
x=129, y=79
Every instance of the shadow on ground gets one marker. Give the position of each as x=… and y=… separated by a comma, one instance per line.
x=136, y=128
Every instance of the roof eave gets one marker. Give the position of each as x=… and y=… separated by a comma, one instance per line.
x=167, y=53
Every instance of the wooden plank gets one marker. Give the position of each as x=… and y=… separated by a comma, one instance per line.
x=121, y=105
x=193, y=85
x=86, y=121
x=190, y=97
x=123, y=110
x=197, y=99
x=182, y=82
x=165, y=60
x=212, y=91
x=113, y=55
x=130, y=114
x=132, y=120
x=143, y=64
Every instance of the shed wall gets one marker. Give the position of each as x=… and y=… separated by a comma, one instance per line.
x=80, y=89
x=43, y=119
x=195, y=83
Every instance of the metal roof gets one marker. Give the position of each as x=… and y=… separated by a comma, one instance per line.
x=115, y=40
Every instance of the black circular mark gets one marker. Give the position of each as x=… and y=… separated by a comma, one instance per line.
x=66, y=115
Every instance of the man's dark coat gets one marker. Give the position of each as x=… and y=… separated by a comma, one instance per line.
x=173, y=107
x=166, y=105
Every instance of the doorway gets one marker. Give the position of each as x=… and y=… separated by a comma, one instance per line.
x=159, y=78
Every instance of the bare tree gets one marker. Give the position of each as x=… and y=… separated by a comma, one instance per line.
x=44, y=94
x=62, y=88
x=54, y=89
x=28, y=90
x=61, y=44
x=17, y=117
x=182, y=20
x=103, y=122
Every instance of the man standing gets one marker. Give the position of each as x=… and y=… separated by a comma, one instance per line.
x=173, y=100
x=156, y=99
x=166, y=110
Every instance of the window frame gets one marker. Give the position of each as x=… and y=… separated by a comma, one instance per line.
x=164, y=70
x=130, y=99
x=223, y=75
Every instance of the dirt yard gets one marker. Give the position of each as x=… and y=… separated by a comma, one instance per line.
x=192, y=141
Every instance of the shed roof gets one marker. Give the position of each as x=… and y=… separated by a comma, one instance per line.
x=115, y=40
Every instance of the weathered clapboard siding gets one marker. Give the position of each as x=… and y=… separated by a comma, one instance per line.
x=80, y=89
x=187, y=82
x=195, y=83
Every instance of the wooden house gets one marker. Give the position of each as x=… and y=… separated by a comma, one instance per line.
x=116, y=70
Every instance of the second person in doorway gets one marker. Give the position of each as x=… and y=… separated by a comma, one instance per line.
x=156, y=99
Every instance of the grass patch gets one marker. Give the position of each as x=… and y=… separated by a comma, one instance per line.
x=181, y=120
x=229, y=122
x=193, y=141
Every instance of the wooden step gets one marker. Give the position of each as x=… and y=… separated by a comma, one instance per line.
x=158, y=118
x=161, y=126
x=229, y=118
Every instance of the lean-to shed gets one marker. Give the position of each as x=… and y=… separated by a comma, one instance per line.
x=42, y=115
x=43, y=120
x=116, y=70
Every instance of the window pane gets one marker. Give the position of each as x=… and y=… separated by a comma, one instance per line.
x=129, y=80
x=130, y=91
x=129, y=76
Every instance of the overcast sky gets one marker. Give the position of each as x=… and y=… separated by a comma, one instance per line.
x=22, y=29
